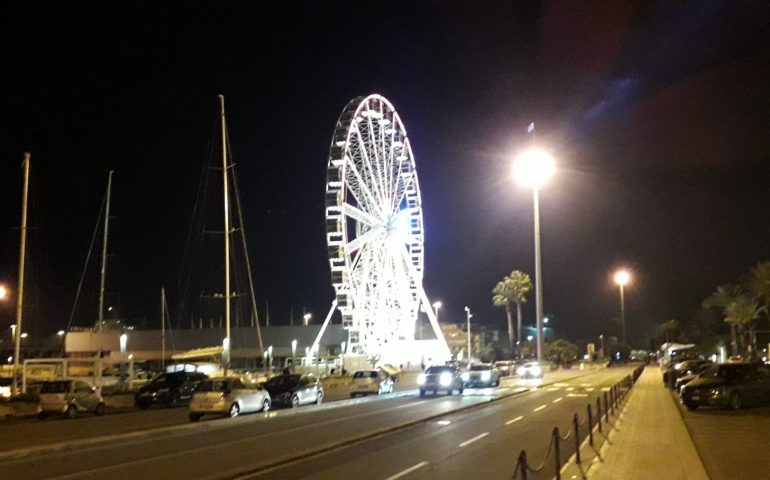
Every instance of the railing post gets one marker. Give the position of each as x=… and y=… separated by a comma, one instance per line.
x=576, y=426
x=556, y=452
x=522, y=465
x=599, y=412
x=590, y=425
x=606, y=409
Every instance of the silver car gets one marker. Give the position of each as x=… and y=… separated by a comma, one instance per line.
x=227, y=396
x=68, y=397
x=371, y=381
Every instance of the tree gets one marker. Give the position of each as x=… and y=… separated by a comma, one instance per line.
x=743, y=313
x=512, y=290
x=561, y=351
x=759, y=286
x=722, y=298
x=670, y=329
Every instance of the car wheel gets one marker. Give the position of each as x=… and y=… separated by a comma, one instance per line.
x=735, y=401
x=497, y=383
x=42, y=416
x=99, y=409
x=691, y=406
x=266, y=405
x=319, y=398
x=141, y=405
x=294, y=401
x=71, y=412
x=234, y=410
x=353, y=395
x=194, y=417
x=461, y=390
x=422, y=392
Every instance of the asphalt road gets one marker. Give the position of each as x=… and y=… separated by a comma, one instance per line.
x=482, y=441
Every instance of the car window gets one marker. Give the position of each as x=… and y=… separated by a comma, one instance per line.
x=439, y=369
x=283, y=380
x=365, y=374
x=55, y=387
x=479, y=368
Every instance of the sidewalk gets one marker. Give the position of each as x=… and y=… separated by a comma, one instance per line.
x=648, y=440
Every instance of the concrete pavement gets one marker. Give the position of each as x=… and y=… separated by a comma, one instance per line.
x=647, y=441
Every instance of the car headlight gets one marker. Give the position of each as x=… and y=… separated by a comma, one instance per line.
x=520, y=371
x=445, y=379
x=537, y=370
x=717, y=392
x=421, y=379
x=485, y=376
x=678, y=366
x=465, y=376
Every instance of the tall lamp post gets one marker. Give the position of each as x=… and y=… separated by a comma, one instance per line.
x=533, y=168
x=306, y=317
x=468, y=316
x=622, y=278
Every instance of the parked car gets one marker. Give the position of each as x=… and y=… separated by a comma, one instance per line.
x=293, y=390
x=530, y=370
x=229, y=396
x=169, y=389
x=506, y=367
x=371, y=381
x=68, y=398
x=440, y=377
x=481, y=375
x=680, y=369
x=731, y=385
x=691, y=373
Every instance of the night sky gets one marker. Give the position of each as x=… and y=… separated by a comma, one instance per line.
x=658, y=114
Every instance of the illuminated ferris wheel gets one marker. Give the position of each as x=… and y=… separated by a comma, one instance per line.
x=374, y=229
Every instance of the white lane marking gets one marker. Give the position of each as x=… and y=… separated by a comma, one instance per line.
x=569, y=389
x=410, y=404
x=590, y=389
x=577, y=394
x=539, y=408
x=558, y=400
x=407, y=471
x=444, y=422
x=478, y=437
x=605, y=389
x=514, y=420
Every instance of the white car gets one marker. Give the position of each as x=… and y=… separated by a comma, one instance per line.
x=371, y=381
x=530, y=370
x=227, y=396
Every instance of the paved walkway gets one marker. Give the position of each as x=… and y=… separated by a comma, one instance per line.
x=648, y=440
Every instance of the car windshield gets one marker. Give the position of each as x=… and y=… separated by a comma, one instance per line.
x=55, y=387
x=214, y=386
x=728, y=372
x=439, y=369
x=283, y=380
x=479, y=368
x=365, y=374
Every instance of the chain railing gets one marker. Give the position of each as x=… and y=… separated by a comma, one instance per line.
x=612, y=399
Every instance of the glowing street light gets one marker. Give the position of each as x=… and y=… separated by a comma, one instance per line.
x=306, y=317
x=60, y=333
x=622, y=278
x=123, y=344
x=468, y=316
x=4, y=293
x=533, y=168
x=293, y=349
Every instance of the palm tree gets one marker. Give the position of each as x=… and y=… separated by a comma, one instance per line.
x=670, y=327
x=512, y=290
x=744, y=312
x=759, y=286
x=723, y=298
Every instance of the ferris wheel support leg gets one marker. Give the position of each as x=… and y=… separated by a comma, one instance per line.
x=328, y=319
x=434, y=321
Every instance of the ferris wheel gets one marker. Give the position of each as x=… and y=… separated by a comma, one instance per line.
x=374, y=229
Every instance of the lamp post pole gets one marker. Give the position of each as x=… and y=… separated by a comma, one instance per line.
x=468, y=316
x=622, y=278
x=538, y=276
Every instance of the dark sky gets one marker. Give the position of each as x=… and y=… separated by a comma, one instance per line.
x=657, y=113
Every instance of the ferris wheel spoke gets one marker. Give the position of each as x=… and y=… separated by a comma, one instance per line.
x=402, y=195
x=368, y=195
x=361, y=216
x=367, y=162
x=377, y=162
x=361, y=240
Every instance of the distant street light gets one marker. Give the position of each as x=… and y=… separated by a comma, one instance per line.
x=468, y=316
x=4, y=294
x=533, y=168
x=529, y=338
x=123, y=344
x=622, y=278
x=306, y=317
x=293, y=350
x=60, y=333
x=24, y=335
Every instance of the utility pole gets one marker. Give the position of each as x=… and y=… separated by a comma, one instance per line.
x=22, y=257
x=468, y=316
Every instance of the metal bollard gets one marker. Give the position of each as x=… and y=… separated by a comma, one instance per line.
x=599, y=413
x=556, y=452
x=576, y=426
x=590, y=425
x=606, y=409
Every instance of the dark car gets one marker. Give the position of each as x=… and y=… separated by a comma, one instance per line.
x=169, y=389
x=691, y=374
x=440, y=377
x=680, y=369
x=731, y=385
x=481, y=375
x=293, y=389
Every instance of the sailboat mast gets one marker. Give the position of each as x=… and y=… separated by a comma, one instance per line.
x=22, y=257
x=163, y=329
x=225, y=168
x=103, y=275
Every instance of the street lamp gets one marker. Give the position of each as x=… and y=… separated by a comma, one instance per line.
x=622, y=278
x=468, y=316
x=3, y=292
x=306, y=317
x=123, y=344
x=270, y=355
x=293, y=350
x=532, y=169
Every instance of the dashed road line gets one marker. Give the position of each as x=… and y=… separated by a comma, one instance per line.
x=514, y=420
x=477, y=437
x=558, y=400
x=407, y=471
x=539, y=408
